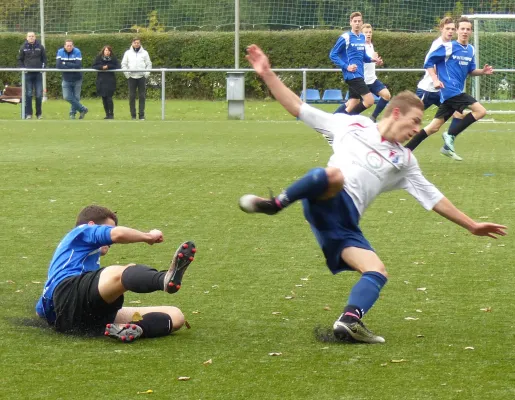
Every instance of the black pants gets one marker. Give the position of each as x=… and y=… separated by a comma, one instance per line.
x=140, y=85
x=108, y=105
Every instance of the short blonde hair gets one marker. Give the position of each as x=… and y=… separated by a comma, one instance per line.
x=446, y=20
x=366, y=26
x=404, y=101
x=354, y=15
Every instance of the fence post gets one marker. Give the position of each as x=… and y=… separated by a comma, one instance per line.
x=163, y=97
x=23, y=98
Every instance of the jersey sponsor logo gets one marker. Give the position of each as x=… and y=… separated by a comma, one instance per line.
x=394, y=157
x=374, y=160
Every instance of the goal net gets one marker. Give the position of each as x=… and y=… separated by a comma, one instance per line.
x=494, y=41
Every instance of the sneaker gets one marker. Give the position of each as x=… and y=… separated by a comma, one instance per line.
x=182, y=258
x=83, y=113
x=254, y=204
x=40, y=117
x=374, y=119
x=450, y=154
x=127, y=333
x=142, y=119
x=356, y=330
x=72, y=116
x=28, y=117
x=448, y=141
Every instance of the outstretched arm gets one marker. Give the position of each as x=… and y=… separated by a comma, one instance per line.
x=259, y=61
x=122, y=234
x=448, y=210
x=487, y=70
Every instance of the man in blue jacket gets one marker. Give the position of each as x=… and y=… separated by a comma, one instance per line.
x=32, y=55
x=69, y=58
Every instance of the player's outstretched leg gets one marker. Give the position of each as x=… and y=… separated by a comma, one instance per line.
x=254, y=204
x=127, y=333
x=183, y=257
x=448, y=147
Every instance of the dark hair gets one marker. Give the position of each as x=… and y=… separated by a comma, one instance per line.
x=463, y=19
x=106, y=47
x=97, y=214
x=135, y=38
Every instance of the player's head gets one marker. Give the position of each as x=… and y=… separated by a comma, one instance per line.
x=356, y=21
x=464, y=29
x=68, y=45
x=366, y=29
x=447, y=29
x=97, y=215
x=31, y=37
x=402, y=117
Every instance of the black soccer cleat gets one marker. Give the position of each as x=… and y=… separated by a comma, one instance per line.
x=183, y=257
x=254, y=204
x=126, y=333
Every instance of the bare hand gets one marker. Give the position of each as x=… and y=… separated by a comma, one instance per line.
x=257, y=59
x=156, y=236
x=438, y=84
x=488, y=229
x=378, y=60
x=488, y=70
x=352, y=68
x=104, y=67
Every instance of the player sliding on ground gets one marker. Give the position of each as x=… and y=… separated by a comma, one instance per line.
x=81, y=297
x=367, y=159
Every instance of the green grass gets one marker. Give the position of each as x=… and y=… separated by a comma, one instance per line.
x=185, y=178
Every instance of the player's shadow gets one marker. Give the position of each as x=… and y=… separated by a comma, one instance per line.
x=325, y=334
x=36, y=322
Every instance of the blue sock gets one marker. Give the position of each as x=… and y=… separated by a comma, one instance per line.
x=454, y=124
x=381, y=104
x=366, y=291
x=341, y=110
x=310, y=186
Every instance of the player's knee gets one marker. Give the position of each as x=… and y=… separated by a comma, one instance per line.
x=177, y=317
x=480, y=112
x=379, y=267
x=387, y=96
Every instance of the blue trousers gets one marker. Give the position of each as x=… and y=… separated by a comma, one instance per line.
x=33, y=87
x=71, y=93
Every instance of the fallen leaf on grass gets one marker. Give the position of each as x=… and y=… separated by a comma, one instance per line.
x=188, y=326
x=149, y=391
x=36, y=282
x=469, y=348
x=420, y=336
x=135, y=302
x=411, y=319
x=195, y=312
x=208, y=362
x=399, y=361
x=384, y=364
x=487, y=309
x=327, y=308
x=276, y=313
x=421, y=289
x=183, y=378
x=418, y=310
x=19, y=291
x=10, y=282
x=275, y=354
x=288, y=297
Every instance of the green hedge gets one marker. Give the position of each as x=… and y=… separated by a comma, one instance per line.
x=287, y=49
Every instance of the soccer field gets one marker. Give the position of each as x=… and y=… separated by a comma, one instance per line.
x=259, y=284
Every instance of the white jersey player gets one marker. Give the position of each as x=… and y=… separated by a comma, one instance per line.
x=375, y=86
x=368, y=159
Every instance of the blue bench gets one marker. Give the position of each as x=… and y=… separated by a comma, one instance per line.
x=332, y=96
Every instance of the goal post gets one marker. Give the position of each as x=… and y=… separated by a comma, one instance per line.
x=494, y=42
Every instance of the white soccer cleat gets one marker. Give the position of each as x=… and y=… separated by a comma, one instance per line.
x=450, y=154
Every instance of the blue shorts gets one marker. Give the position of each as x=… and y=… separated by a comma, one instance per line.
x=376, y=86
x=335, y=224
x=428, y=98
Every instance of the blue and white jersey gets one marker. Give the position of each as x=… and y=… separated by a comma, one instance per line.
x=426, y=83
x=78, y=253
x=350, y=49
x=454, y=61
x=370, y=68
x=69, y=61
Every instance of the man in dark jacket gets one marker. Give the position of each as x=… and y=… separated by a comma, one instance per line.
x=32, y=55
x=69, y=58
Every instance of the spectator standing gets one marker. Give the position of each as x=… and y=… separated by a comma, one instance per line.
x=106, y=81
x=69, y=57
x=32, y=55
x=137, y=58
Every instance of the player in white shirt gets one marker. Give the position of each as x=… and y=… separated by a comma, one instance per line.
x=426, y=90
x=374, y=85
x=368, y=159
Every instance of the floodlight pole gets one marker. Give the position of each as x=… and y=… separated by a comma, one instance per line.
x=236, y=34
x=42, y=30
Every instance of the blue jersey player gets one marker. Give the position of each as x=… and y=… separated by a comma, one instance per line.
x=349, y=54
x=81, y=297
x=454, y=61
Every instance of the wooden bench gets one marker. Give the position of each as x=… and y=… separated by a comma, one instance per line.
x=12, y=95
